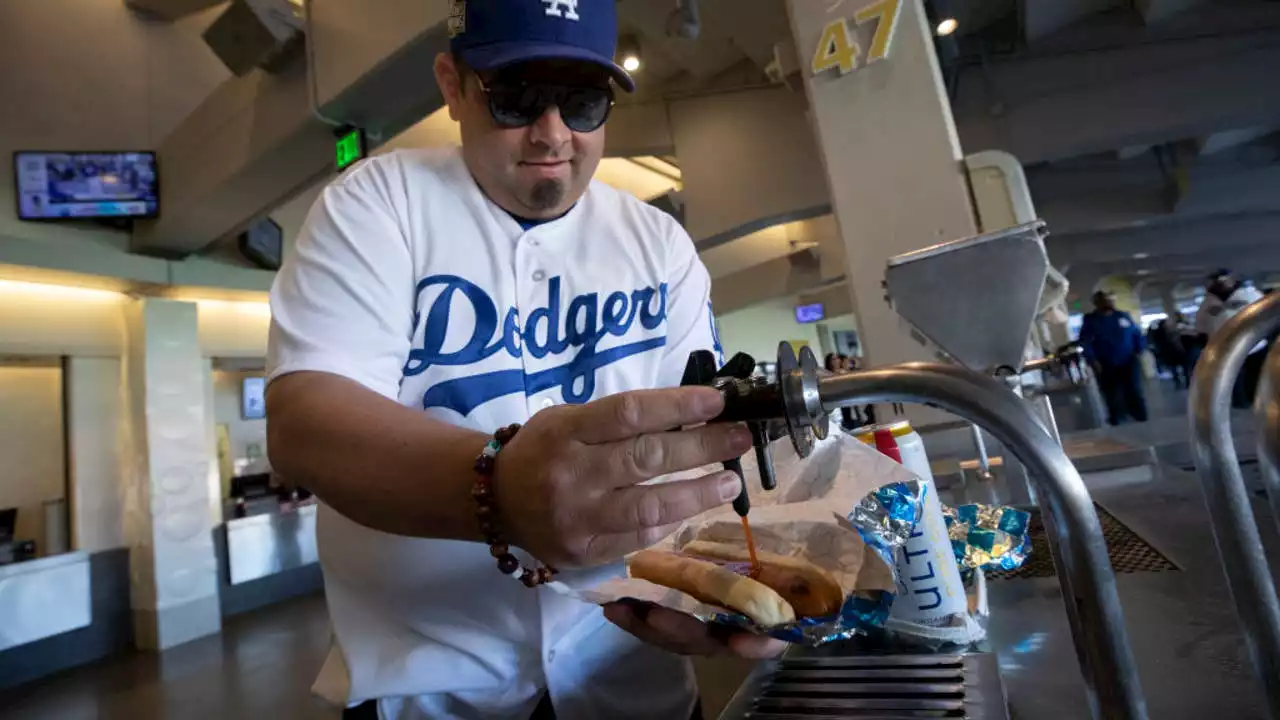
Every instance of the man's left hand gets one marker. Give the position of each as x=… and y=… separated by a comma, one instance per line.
x=686, y=635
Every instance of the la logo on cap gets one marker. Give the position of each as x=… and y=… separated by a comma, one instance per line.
x=567, y=9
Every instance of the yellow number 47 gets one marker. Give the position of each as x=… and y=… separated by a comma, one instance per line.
x=838, y=48
x=886, y=11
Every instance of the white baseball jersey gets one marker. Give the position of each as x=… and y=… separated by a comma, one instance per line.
x=1214, y=312
x=408, y=279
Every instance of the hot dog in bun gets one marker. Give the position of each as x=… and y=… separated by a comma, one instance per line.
x=713, y=584
x=811, y=591
x=782, y=589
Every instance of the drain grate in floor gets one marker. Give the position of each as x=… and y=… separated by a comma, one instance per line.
x=1129, y=553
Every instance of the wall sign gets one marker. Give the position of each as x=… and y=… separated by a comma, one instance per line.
x=838, y=46
x=349, y=148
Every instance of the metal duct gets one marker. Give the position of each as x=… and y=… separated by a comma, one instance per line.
x=252, y=34
x=685, y=21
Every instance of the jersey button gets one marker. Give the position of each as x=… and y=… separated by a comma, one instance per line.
x=548, y=403
x=539, y=276
x=551, y=656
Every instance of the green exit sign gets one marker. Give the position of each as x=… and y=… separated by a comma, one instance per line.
x=349, y=148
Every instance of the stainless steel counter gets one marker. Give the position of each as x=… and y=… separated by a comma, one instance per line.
x=264, y=545
x=42, y=598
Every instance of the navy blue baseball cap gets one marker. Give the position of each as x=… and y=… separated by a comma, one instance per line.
x=490, y=34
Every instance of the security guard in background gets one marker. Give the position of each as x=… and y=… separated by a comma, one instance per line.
x=1113, y=345
x=1224, y=297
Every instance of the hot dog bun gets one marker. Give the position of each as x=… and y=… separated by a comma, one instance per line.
x=810, y=590
x=712, y=584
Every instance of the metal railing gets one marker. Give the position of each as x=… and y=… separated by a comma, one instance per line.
x=1267, y=408
x=1075, y=535
x=1234, y=528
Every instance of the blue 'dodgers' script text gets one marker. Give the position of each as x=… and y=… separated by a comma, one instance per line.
x=546, y=331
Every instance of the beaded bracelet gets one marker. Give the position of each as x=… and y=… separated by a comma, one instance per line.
x=486, y=513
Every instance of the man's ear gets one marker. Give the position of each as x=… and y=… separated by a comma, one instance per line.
x=449, y=80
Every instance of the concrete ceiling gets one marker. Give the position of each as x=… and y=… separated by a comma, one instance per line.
x=734, y=34
x=1174, y=158
x=1175, y=150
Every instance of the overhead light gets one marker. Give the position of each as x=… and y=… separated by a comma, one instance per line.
x=234, y=307
x=1144, y=272
x=629, y=53
x=28, y=290
x=1141, y=256
x=946, y=26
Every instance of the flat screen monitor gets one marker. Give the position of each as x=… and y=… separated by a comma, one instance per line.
x=810, y=313
x=83, y=185
x=253, y=398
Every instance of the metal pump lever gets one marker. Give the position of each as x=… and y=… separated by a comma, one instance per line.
x=790, y=406
x=734, y=381
x=1068, y=357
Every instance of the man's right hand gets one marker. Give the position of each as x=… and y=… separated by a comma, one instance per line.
x=568, y=486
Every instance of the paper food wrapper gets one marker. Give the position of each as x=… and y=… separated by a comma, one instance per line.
x=845, y=509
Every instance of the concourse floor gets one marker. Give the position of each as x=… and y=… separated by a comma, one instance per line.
x=261, y=666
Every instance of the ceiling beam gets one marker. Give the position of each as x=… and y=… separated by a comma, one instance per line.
x=1219, y=141
x=247, y=148
x=836, y=299
x=1132, y=151
x=818, y=235
x=1046, y=17
x=639, y=128
x=1154, y=11
x=258, y=140
x=730, y=193
x=1050, y=107
x=1208, y=188
x=1223, y=236
x=777, y=278
x=1200, y=264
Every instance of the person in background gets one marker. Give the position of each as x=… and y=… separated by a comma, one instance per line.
x=850, y=418
x=1166, y=346
x=1113, y=345
x=1225, y=295
x=1192, y=344
x=867, y=413
x=1157, y=353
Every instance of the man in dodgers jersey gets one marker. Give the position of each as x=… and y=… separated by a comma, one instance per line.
x=436, y=296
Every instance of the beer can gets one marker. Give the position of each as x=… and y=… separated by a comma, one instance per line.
x=930, y=591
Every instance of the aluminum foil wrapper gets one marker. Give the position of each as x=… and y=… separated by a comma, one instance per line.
x=988, y=537
x=845, y=508
x=886, y=516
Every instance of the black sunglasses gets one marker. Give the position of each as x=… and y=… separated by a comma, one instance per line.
x=516, y=104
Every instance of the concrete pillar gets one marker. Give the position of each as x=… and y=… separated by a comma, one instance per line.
x=174, y=589
x=890, y=150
